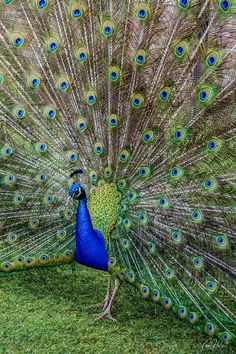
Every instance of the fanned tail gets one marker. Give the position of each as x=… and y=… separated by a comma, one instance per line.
x=141, y=96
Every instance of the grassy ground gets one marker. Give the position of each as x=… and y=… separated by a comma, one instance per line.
x=47, y=311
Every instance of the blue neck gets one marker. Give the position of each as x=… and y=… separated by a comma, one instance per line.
x=83, y=220
x=90, y=244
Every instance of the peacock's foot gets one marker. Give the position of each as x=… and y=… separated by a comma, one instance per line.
x=104, y=314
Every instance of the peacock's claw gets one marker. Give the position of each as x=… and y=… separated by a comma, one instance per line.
x=104, y=314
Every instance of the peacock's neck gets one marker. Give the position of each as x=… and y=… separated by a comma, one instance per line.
x=83, y=220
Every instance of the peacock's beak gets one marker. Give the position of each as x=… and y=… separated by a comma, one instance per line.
x=68, y=200
x=76, y=193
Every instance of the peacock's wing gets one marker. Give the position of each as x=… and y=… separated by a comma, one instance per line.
x=140, y=94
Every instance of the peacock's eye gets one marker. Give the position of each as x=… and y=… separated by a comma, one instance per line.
x=203, y=95
x=184, y=3
x=224, y=5
x=214, y=145
x=34, y=81
x=42, y=4
x=6, y=151
x=19, y=112
x=208, y=183
x=18, y=41
x=174, y=171
x=63, y=84
x=142, y=13
x=211, y=145
x=140, y=59
x=77, y=13
x=142, y=171
x=206, y=94
x=177, y=134
x=211, y=60
x=107, y=30
x=72, y=156
x=51, y=113
x=220, y=240
x=114, y=73
x=180, y=134
x=53, y=46
x=137, y=100
x=124, y=155
x=179, y=50
x=163, y=95
x=82, y=56
x=91, y=98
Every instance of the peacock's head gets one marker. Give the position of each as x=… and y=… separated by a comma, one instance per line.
x=76, y=191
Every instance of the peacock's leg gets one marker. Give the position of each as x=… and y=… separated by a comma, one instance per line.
x=105, y=302
x=106, y=312
x=108, y=295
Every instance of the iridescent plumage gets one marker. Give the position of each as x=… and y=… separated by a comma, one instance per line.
x=141, y=96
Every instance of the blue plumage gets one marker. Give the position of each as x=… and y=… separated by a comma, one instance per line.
x=90, y=245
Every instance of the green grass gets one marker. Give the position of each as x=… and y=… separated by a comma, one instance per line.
x=47, y=311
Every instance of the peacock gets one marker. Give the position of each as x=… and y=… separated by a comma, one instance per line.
x=118, y=148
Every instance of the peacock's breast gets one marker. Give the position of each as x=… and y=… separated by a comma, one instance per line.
x=104, y=206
